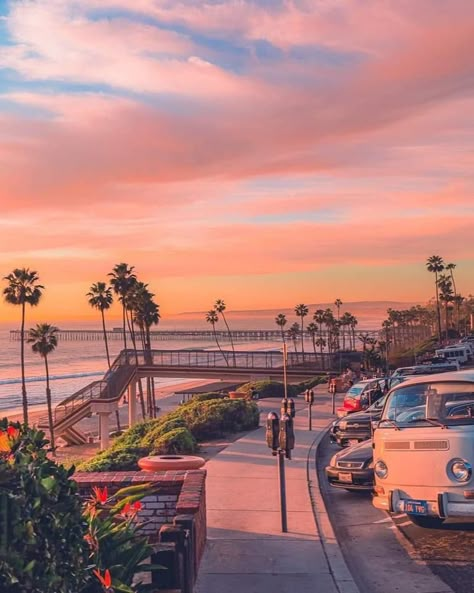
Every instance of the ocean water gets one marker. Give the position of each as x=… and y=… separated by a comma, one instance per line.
x=73, y=365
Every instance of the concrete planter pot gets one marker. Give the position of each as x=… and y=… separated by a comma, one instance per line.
x=159, y=463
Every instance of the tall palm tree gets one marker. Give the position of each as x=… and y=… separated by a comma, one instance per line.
x=435, y=265
x=121, y=279
x=44, y=339
x=213, y=318
x=301, y=311
x=281, y=321
x=321, y=342
x=312, y=329
x=446, y=295
x=220, y=308
x=293, y=333
x=338, y=304
x=451, y=268
x=100, y=298
x=23, y=289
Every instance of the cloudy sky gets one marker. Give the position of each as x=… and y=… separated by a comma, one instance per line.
x=267, y=152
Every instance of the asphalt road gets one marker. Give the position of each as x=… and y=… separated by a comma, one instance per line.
x=391, y=556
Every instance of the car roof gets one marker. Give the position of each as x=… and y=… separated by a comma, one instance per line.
x=466, y=375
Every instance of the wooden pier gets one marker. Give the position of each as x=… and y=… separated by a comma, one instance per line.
x=92, y=335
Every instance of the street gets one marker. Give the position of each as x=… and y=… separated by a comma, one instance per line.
x=386, y=555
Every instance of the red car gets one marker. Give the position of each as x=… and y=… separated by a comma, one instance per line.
x=359, y=396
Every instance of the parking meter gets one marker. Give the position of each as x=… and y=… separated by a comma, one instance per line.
x=288, y=407
x=309, y=396
x=287, y=435
x=273, y=432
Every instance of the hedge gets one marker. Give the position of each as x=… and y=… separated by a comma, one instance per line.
x=179, y=431
x=266, y=388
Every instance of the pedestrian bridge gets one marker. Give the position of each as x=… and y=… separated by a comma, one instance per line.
x=102, y=397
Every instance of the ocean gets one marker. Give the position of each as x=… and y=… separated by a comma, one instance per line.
x=75, y=364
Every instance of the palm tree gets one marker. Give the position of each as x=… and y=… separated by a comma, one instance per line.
x=23, y=289
x=220, y=308
x=302, y=311
x=446, y=295
x=212, y=318
x=121, y=279
x=338, y=304
x=281, y=321
x=312, y=329
x=450, y=268
x=321, y=342
x=435, y=264
x=293, y=333
x=44, y=339
x=100, y=298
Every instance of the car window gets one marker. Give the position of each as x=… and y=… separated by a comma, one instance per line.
x=355, y=390
x=446, y=402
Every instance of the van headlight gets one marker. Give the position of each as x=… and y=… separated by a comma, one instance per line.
x=460, y=470
x=381, y=469
x=333, y=461
x=342, y=424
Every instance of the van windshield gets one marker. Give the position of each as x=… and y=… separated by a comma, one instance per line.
x=451, y=403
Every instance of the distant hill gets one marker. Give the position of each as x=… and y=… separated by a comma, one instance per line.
x=370, y=315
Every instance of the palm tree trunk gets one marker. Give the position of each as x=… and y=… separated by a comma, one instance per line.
x=230, y=336
x=302, y=338
x=437, y=307
x=282, y=334
x=218, y=345
x=22, y=359
x=323, y=363
x=105, y=337
x=124, y=325
x=117, y=413
x=140, y=386
x=294, y=344
x=50, y=407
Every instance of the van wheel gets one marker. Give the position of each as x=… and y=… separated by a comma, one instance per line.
x=427, y=522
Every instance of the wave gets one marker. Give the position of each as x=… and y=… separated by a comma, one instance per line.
x=42, y=378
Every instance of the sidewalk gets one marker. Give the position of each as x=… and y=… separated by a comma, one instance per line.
x=246, y=551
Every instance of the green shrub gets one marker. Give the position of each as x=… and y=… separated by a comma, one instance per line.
x=42, y=546
x=160, y=429
x=134, y=435
x=114, y=459
x=204, y=397
x=266, y=388
x=174, y=442
x=310, y=383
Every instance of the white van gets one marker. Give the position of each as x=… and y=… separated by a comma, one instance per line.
x=424, y=449
x=458, y=352
x=427, y=369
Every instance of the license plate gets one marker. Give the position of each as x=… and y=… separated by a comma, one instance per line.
x=353, y=441
x=416, y=507
x=345, y=477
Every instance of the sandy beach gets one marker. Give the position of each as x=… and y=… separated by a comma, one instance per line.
x=167, y=401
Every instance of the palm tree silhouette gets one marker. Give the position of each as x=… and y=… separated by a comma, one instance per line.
x=446, y=295
x=44, y=339
x=23, y=289
x=121, y=279
x=302, y=311
x=281, y=321
x=100, y=298
x=220, y=308
x=293, y=333
x=435, y=264
x=312, y=329
x=213, y=318
x=338, y=304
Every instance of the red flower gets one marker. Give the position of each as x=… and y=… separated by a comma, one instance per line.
x=106, y=580
x=137, y=506
x=101, y=494
x=13, y=432
x=126, y=509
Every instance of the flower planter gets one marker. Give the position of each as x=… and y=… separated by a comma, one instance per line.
x=237, y=395
x=159, y=463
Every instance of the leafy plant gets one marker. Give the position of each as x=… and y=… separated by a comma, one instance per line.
x=117, y=551
x=175, y=442
x=42, y=546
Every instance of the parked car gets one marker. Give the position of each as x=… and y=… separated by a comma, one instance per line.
x=427, y=369
x=424, y=449
x=352, y=468
x=357, y=427
x=359, y=396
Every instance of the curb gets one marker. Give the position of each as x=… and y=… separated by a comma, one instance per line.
x=337, y=565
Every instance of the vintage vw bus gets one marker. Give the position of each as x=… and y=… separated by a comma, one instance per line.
x=424, y=449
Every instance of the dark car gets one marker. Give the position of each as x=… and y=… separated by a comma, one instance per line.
x=355, y=428
x=352, y=468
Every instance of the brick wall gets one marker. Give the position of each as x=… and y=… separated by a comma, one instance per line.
x=180, y=493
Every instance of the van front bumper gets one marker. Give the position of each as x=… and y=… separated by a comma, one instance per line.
x=444, y=508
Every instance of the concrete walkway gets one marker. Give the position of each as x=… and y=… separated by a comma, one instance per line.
x=246, y=550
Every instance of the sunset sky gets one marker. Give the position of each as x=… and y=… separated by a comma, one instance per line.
x=267, y=152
